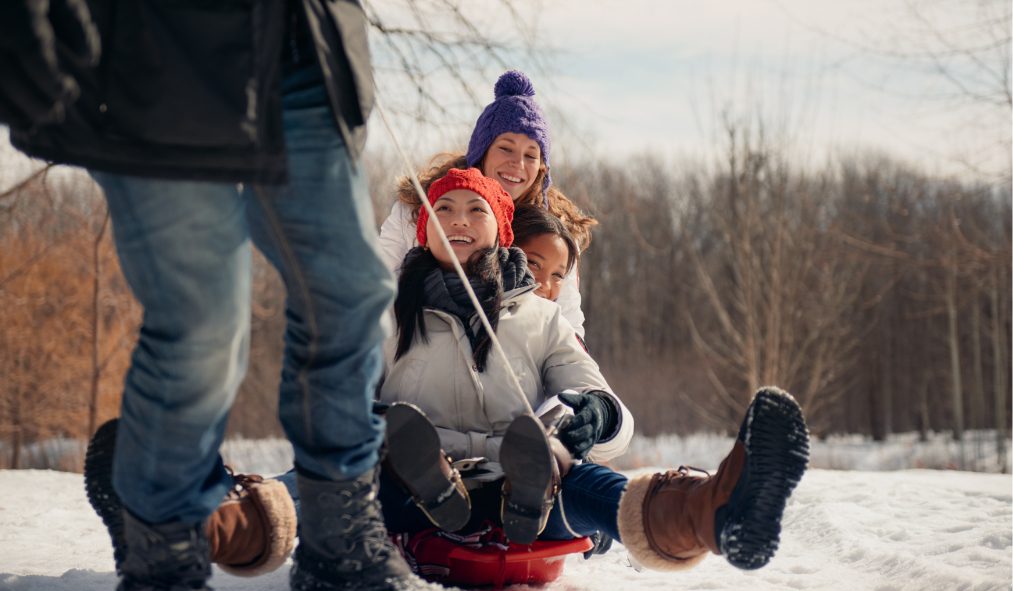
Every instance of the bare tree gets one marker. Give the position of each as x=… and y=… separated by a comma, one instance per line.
x=435, y=60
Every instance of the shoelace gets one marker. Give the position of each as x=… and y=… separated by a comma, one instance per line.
x=367, y=531
x=241, y=482
x=681, y=472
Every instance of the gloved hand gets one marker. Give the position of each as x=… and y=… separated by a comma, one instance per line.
x=35, y=90
x=602, y=544
x=594, y=415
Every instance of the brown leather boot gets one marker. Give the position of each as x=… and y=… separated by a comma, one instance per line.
x=253, y=531
x=415, y=459
x=563, y=457
x=552, y=421
x=671, y=520
x=531, y=479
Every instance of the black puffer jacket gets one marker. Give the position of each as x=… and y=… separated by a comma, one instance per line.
x=190, y=89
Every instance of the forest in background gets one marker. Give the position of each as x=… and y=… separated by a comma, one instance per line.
x=877, y=294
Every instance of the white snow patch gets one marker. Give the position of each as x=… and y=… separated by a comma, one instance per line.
x=913, y=529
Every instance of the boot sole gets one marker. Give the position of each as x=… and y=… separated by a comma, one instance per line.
x=98, y=478
x=413, y=453
x=527, y=464
x=776, y=441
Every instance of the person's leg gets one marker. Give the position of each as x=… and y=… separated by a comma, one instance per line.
x=155, y=474
x=318, y=231
x=184, y=250
x=588, y=502
x=416, y=461
x=400, y=513
x=672, y=520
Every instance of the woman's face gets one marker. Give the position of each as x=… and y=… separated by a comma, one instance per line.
x=468, y=222
x=547, y=258
x=513, y=160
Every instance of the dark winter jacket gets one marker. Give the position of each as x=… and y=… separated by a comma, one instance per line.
x=191, y=88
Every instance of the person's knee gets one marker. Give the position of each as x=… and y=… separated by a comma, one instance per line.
x=196, y=371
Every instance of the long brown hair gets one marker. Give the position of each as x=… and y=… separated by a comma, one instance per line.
x=577, y=222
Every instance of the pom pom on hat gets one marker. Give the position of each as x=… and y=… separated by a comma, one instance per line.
x=513, y=111
x=473, y=180
x=513, y=83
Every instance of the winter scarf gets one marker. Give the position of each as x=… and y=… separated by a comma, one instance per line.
x=445, y=291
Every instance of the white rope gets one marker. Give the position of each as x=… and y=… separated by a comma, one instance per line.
x=453, y=257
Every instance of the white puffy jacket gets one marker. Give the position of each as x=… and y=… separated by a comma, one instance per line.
x=397, y=237
x=472, y=410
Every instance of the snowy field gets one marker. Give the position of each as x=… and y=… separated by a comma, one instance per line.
x=911, y=529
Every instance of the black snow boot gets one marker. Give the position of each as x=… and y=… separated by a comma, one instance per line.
x=98, y=484
x=343, y=544
x=170, y=556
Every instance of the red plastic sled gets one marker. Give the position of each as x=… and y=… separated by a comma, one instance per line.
x=485, y=558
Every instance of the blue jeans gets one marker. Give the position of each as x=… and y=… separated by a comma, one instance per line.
x=185, y=250
x=590, y=499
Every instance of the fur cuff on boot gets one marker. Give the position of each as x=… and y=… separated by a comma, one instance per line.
x=634, y=536
x=271, y=498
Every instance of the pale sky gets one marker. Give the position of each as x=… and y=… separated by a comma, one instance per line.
x=631, y=76
x=828, y=78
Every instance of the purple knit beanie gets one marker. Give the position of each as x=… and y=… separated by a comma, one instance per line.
x=513, y=111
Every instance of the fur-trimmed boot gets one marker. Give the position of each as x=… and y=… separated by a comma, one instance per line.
x=416, y=460
x=253, y=531
x=671, y=520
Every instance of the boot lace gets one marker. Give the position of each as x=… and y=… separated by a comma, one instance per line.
x=681, y=472
x=241, y=483
x=359, y=534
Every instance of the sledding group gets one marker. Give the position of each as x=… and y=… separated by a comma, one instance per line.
x=408, y=441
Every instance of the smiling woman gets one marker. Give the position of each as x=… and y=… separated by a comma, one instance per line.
x=514, y=160
x=468, y=222
x=510, y=144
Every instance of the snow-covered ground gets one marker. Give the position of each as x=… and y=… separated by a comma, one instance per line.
x=910, y=529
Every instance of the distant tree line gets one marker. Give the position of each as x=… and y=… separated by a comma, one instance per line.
x=878, y=295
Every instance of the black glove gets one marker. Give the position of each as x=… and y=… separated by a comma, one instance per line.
x=594, y=415
x=602, y=544
x=34, y=89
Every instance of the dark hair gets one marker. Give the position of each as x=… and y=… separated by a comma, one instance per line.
x=409, y=312
x=531, y=221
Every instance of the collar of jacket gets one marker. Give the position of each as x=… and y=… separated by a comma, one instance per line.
x=510, y=302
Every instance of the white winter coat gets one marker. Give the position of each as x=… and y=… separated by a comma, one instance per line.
x=472, y=410
x=397, y=237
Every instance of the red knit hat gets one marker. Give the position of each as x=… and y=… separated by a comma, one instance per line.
x=472, y=179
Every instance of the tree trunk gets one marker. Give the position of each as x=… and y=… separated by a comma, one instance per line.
x=96, y=370
x=954, y=339
x=1000, y=367
x=887, y=367
x=977, y=406
x=924, y=425
x=18, y=427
